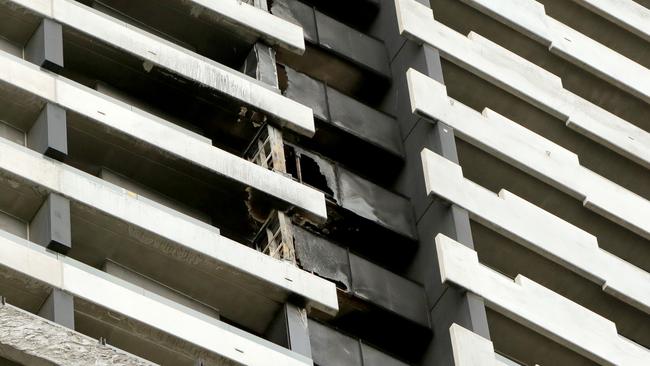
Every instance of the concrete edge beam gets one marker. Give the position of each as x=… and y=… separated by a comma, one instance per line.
x=187, y=64
x=538, y=308
x=94, y=192
x=134, y=302
x=272, y=29
x=124, y=273
x=470, y=349
x=626, y=13
x=31, y=340
x=532, y=153
x=50, y=227
x=48, y=135
x=539, y=231
x=45, y=47
x=525, y=80
x=529, y=18
x=157, y=132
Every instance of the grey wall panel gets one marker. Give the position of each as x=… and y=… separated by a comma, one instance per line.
x=330, y=348
x=388, y=290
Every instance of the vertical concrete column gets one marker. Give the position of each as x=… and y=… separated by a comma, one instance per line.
x=59, y=308
x=50, y=227
x=447, y=305
x=48, y=134
x=45, y=47
x=290, y=329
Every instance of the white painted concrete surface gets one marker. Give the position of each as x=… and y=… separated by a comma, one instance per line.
x=529, y=17
x=53, y=176
x=156, y=132
x=539, y=231
x=158, y=51
x=137, y=303
x=538, y=308
x=626, y=13
x=531, y=153
x=524, y=80
x=272, y=29
x=470, y=349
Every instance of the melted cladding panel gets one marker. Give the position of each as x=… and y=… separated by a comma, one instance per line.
x=374, y=203
x=307, y=91
x=321, y=257
x=299, y=14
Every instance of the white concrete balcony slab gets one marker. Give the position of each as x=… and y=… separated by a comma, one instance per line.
x=174, y=146
x=539, y=231
x=246, y=18
x=25, y=260
x=532, y=153
x=626, y=13
x=28, y=339
x=470, y=349
x=155, y=51
x=524, y=80
x=224, y=31
x=109, y=221
x=529, y=18
x=538, y=308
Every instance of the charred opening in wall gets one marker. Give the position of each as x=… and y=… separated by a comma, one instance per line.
x=368, y=219
x=356, y=135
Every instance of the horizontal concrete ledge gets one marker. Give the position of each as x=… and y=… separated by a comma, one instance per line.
x=187, y=64
x=158, y=133
x=28, y=339
x=23, y=167
x=470, y=349
x=272, y=29
x=538, y=308
x=531, y=153
x=85, y=282
x=539, y=231
x=529, y=18
x=626, y=13
x=525, y=80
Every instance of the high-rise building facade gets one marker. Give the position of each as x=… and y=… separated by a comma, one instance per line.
x=323, y=182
